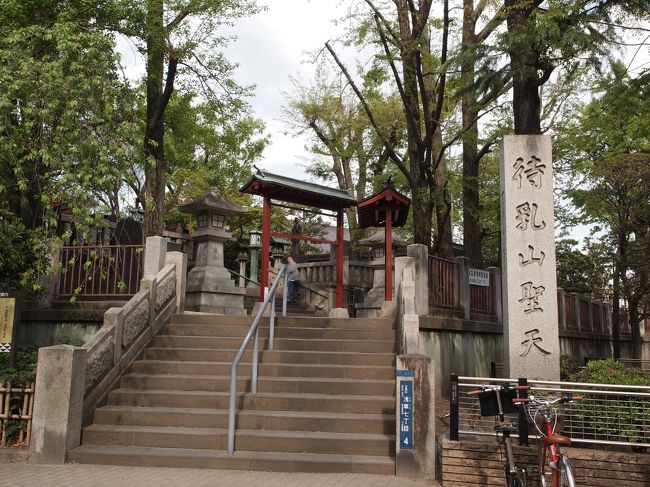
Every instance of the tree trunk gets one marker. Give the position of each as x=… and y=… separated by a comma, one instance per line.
x=616, y=312
x=526, y=103
x=469, y=107
x=154, y=204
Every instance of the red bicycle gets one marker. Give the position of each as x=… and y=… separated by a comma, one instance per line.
x=554, y=467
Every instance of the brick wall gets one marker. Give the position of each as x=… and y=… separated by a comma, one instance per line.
x=479, y=462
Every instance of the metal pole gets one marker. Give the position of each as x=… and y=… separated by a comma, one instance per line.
x=453, y=408
x=272, y=323
x=284, y=294
x=255, y=352
x=231, y=414
x=523, y=420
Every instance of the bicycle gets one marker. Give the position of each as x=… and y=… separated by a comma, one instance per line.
x=498, y=401
x=552, y=462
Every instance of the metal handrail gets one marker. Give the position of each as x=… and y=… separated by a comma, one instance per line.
x=254, y=329
x=237, y=274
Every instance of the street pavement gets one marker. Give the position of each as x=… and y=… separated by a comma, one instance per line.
x=73, y=475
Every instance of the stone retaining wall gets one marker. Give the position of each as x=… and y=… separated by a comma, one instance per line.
x=478, y=462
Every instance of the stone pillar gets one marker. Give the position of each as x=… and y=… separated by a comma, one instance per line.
x=154, y=256
x=421, y=255
x=528, y=254
x=418, y=461
x=58, y=406
x=495, y=280
x=180, y=260
x=463, y=285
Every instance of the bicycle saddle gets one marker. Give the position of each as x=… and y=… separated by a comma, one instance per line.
x=557, y=440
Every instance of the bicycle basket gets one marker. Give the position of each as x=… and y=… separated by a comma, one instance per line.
x=488, y=402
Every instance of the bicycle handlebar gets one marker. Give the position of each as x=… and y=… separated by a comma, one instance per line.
x=547, y=402
x=497, y=388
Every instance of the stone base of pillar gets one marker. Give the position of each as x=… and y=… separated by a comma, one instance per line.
x=339, y=313
x=220, y=301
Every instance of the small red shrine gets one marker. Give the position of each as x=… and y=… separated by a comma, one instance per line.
x=387, y=209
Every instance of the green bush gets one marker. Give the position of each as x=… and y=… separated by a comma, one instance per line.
x=569, y=366
x=25, y=370
x=623, y=417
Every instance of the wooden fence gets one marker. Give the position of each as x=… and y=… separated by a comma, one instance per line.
x=16, y=414
x=443, y=283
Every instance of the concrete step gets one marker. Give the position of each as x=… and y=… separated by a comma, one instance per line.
x=283, y=356
x=241, y=460
x=309, y=385
x=247, y=420
x=280, y=332
x=334, y=403
x=297, y=344
x=265, y=369
x=299, y=321
x=247, y=440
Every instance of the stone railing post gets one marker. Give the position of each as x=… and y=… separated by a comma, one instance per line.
x=421, y=255
x=408, y=319
x=58, y=407
x=418, y=458
x=495, y=282
x=179, y=259
x=114, y=317
x=154, y=256
x=561, y=303
x=463, y=285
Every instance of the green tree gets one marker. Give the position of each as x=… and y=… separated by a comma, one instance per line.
x=609, y=146
x=181, y=44
x=66, y=123
x=344, y=143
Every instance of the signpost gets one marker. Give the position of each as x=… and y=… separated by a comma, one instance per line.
x=405, y=379
x=478, y=277
x=9, y=319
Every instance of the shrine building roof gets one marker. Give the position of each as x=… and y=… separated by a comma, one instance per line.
x=371, y=211
x=284, y=188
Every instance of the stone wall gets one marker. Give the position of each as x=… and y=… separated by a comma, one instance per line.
x=479, y=462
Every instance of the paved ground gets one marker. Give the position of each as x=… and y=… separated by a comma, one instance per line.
x=109, y=476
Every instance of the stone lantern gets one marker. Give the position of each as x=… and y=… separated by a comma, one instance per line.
x=209, y=287
x=242, y=258
x=278, y=250
x=254, y=245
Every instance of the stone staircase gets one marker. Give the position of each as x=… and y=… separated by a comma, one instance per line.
x=325, y=401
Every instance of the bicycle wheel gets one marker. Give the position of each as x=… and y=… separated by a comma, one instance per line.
x=566, y=472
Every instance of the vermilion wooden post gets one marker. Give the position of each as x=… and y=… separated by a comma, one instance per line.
x=388, y=256
x=266, y=246
x=339, y=258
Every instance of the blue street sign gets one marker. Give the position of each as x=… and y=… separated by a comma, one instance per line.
x=405, y=373
x=406, y=414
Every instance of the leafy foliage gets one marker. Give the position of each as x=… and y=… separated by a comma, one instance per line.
x=25, y=370
x=628, y=416
x=24, y=258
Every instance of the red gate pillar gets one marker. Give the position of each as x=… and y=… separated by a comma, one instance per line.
x=340, y=244
x=388, y=256
x=266, y=246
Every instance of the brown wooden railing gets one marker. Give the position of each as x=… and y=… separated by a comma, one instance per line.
x=443, y=283
x=16, y=413
x=100, y=270
x=481, y=299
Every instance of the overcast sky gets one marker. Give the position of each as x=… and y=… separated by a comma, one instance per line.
x=272, y=47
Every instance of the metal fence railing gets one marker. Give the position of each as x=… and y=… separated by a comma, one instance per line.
x=607, y=414
x=100, y=270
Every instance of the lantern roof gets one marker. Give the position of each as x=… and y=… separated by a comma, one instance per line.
x=284, y=188
x=371, y=211
x=211, y=201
